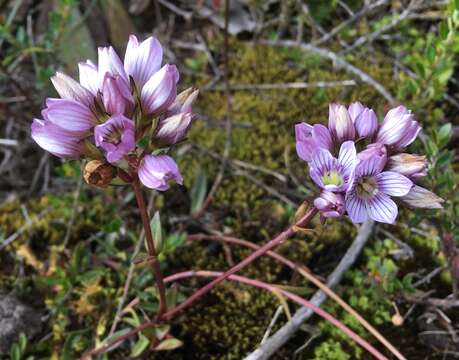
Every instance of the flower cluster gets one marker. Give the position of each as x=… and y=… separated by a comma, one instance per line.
x=120, y=115
x=359, y=164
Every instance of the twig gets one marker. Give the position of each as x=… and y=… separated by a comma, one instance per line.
x=374, y=35
x=184, y=14
x=441, y=303
x=288, y=330
x=8, y=142
x=365, y=10
x=273, y=321
x=325, y=53
x=284, y=86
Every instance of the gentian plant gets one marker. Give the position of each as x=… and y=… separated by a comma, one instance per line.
x=122, y=118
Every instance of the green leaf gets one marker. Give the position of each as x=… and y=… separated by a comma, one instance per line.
x=444, y=135
x=15, y=353
x=169, y=344
x=22, y=343
x=431, y=53
x=140, y=346
x=157, y=231
x=431, y=148
x=116, y=335
x=198, y=191
x=443, y=30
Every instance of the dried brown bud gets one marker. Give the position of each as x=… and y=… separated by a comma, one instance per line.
x=98, y=173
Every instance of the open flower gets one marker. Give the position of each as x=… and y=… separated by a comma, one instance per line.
x=157, y=171
x=370, y=194
x=333, y=174
x=116, y=136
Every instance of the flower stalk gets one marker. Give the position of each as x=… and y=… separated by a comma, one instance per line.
x=151, y=247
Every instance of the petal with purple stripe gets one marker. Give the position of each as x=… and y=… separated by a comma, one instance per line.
x=382, y=208
x=393, y=184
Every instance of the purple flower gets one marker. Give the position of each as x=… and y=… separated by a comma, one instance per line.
x=89, y=76
x=330, y=204
x=56, y=140
x=160, y=90
x=143, y=60
x=69, y=89
x=116, y=95
x=109, y=62
x=157, y=171
x=369, y=196
x=340, y=123
x=172, y=129
x=116, y=136
x=309, y=138
x=413, y=166
x=355, y=109
x=371, y=150
x=70, y=115
x=334, y=174
x=398, y=129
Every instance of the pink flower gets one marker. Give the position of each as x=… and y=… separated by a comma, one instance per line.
x=157, y=171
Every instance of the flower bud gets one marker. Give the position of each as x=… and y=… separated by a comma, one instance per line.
x=116, y=95
x=98, y=173
x=330, y=204
x=366, y=123
x=408, y=164
x=399, y=129
x=340, y=123
x=418, y=197
x=172, y=129
x=183, y=101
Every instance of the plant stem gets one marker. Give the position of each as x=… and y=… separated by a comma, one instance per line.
x=151, y=247
x=310, y=277
x=248, y=260
x=325, y=315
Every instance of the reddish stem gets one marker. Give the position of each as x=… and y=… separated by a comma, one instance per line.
x=151, y=247
x=328, y=317
x=248, y=260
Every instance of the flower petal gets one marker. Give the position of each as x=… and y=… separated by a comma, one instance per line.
x=371, y=166
x=322, y=160
x=160, y=91
x=70, y=115
x=382, y=208
x=322, y=137
x=355, y=208
x=355, y=109
x=89, y=77
x=366, y=123
x=347, y=157
x=393, y=184
x=142, y=60
x=55, y=140
x=172, y=129
x=109, y=62
x=69, y=89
